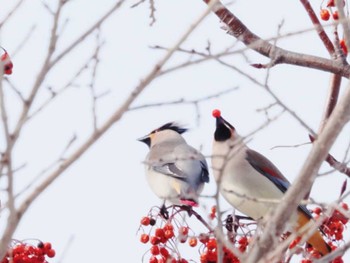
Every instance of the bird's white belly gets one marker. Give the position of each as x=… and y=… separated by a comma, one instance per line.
x=164, y=186
x=250, y=192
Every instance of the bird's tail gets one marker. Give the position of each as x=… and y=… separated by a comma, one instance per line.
x=316, y=240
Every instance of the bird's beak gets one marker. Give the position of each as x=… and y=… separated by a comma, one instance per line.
x=145, y=139
x=219, y=121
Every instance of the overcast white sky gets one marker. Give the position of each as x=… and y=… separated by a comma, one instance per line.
x=99, y=201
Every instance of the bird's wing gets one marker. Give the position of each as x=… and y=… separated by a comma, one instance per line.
x=170, y=169
x=205, y=172
x=266, y=168
x=183, y=163
x=193, y=163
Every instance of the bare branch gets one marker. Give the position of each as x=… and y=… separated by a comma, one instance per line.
x=341, y=167
x=242, y=33
x=44, y=69
x=319, y=28
x=88, y=32
x=305, y=179
x=114, y=117
x=6, y=161
x=332, y=98
x=24, y=41
x=95, y=61
x=183, y=101
x=17, y=92
x=152, y=8
x=9, y=14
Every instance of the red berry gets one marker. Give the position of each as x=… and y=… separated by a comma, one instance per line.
x=159, y=233
x=145, y=221
x=144, y=238
x=168, y=226
x=51, y=253
x=169, y=234
x=212, y=214
x=204, y=257
x=338, y=260
x=294, y=242
x=182, y=238
x=47, y=246
x=335, y=15
x=155, y=250
x=203, y=238
x=153, y=259
x=339, y=236
x=345, y=206
x=155, y=240
x=211, y=244
x=7, y=63
x=216, y=113
x=317, y=210
x=192, y=242
x=243, y=241
x=324, y=14
x=330, y=3
x=183, y=230
x=212, y=255
x=164, y=252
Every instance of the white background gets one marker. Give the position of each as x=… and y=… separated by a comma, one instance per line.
x=100, y=200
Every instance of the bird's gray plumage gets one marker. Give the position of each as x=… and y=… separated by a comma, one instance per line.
x=175, y=170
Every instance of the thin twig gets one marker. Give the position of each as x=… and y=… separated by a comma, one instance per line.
x=184, y=101
x=9, y=14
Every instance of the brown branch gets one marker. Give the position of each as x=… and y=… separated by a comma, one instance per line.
x=86, y=33
x=14, y=9
x=341, y=167
x=183, y=101
x=92, y=87
x=304, y=181
x=319, y=28
x=192, y=212
x=24, y=41
x=344, y=21
x=277, y=54
x=152, y=10
x=94, y=137
x=43, y=71
x=332, y=98
x=6, y=161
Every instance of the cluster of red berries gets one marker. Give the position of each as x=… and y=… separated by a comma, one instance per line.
x=159, y=237
x=326, y=13
x=334, y=226
x=165, y=233
x=210, y=252
x=22, y=252
x=8, y=65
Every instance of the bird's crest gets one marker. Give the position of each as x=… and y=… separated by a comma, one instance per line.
x=171, y=126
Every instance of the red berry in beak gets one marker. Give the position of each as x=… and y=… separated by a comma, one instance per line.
x=216, y=113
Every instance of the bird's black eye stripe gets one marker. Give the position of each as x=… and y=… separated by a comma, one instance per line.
x=222, y=133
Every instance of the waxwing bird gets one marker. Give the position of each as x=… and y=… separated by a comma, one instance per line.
x=175, y=171
x=244, y=177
